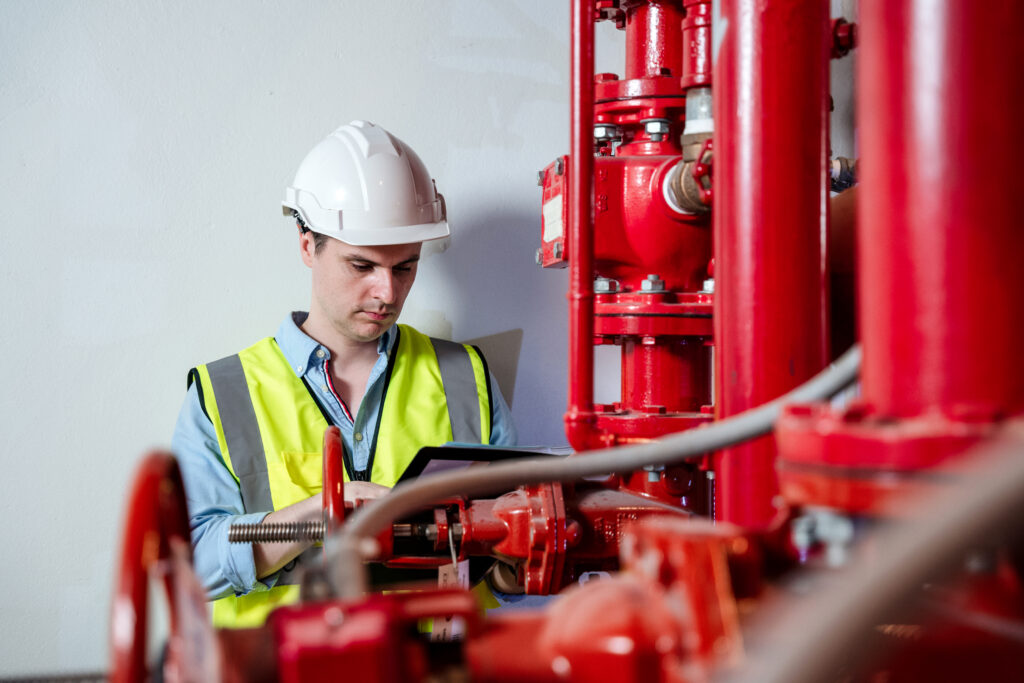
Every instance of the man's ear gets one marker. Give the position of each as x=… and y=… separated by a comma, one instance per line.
x=307, y=247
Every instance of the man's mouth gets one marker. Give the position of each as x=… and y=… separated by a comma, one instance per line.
x=375, y=315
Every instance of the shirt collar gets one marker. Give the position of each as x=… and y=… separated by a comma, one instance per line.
x=300, y=349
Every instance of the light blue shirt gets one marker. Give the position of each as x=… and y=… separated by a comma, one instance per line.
x=214, y=499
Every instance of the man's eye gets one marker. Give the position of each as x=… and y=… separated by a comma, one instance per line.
x=402, y=269
x=362, y=267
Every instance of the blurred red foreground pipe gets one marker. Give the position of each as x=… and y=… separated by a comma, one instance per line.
x=770, y=93
x=941, y=245
x=579, y=420
x=156, y=514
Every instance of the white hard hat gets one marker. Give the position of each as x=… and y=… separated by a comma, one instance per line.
x=366, y=187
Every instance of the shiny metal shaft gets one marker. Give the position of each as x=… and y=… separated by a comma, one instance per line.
x=276, y=532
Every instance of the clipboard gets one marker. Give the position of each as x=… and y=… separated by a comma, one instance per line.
x=434, y=459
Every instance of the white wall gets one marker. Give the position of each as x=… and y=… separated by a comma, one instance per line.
x=144, y=148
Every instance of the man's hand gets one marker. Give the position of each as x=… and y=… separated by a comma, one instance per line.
x=363, y=490
x=270, y=557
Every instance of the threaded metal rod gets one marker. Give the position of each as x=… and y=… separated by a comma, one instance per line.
x=276, y=532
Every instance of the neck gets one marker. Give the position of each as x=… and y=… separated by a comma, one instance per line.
x=342, y=348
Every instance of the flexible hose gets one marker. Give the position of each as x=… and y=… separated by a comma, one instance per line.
x=807, y=641
x=345, y=551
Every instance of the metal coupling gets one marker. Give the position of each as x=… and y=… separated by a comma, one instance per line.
x=688, y=184
x=276, y=532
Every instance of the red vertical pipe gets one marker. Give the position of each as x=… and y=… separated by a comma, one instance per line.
x=696, y=44
x=652, y=39
x=672, y=373
x=941, y=276
x=579, y=420
x=770, y=93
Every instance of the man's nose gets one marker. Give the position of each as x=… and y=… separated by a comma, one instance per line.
x=384, y=286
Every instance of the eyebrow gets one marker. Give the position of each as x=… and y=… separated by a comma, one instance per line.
x=362, y=259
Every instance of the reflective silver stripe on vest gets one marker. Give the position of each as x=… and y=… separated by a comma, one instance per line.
x=460, y=391
x=242, y=432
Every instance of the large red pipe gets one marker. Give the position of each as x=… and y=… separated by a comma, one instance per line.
x=770, y=96
x=579, y=420
x=941, y=271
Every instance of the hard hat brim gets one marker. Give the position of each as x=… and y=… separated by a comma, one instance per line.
x=403, y=234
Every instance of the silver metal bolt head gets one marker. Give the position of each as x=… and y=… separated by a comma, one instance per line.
x=605, y=131
x=653, y=283
x=656, y=126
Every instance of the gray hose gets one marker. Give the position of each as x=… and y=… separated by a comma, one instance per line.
x=345, y=552
x=807, y=640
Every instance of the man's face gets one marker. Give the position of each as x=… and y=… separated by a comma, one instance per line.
x=359, y=291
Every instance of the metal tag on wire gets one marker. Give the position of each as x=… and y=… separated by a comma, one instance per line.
x=451, y=576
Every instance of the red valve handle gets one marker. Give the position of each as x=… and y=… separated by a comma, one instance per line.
x=156, y=530
x=702, y=169
x=334, y=481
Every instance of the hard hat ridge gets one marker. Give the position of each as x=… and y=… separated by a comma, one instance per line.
x=364, y=186
x=367, y=138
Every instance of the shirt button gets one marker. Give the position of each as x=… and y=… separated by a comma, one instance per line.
x=357, y=436
x=319, y=353
x=298, y=369
x=323, y=387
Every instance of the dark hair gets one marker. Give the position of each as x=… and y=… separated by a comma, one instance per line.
x=319, y=241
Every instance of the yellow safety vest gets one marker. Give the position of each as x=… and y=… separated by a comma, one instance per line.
x=270, y=430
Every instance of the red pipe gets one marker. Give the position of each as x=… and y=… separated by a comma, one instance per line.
x=941, y=276
x=696, y=44
x=579, y=420
x=769, y=176
x=672, y=375
x=652, y=39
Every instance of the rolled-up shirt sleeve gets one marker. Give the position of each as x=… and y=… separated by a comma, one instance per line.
x=503, y=429
x=214, y=503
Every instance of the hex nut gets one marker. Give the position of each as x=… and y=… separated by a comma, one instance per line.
x=652, y=284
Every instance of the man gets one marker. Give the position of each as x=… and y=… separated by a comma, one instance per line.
x=249, y=433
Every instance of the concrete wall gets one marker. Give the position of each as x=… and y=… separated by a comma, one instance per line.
x=145, y=147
